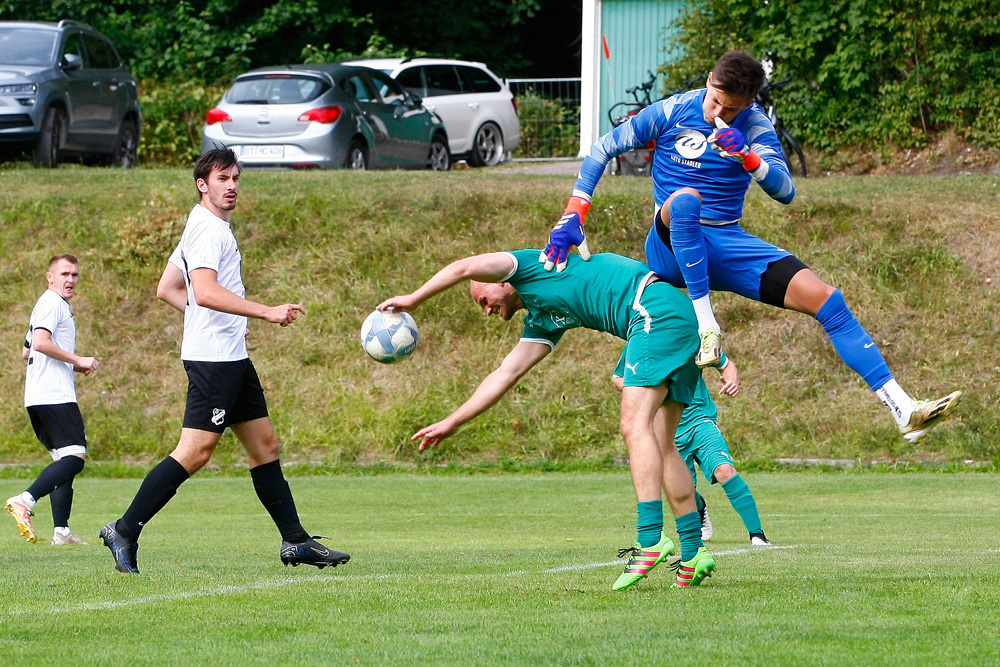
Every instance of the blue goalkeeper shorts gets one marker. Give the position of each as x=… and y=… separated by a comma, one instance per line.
x=738, y=262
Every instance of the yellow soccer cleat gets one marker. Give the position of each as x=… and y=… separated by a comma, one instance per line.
x=22, y=514
x=928, y=414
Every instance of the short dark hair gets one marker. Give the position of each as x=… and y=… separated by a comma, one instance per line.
x=64, y=255
x=739, y=74
x=218, y=157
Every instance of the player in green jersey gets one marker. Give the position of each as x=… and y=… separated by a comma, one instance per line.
x=622, y=297
x=700, y=441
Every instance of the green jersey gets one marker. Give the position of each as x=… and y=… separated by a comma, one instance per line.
x=619, y=296
x=597, y=294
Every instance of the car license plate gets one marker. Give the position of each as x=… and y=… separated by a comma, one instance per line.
x=263, y=151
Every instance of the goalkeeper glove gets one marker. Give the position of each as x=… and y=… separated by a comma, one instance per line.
x=567, y=233
x=730, y=142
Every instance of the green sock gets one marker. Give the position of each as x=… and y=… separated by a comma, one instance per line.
x=700, y=502
x=739, y=495
x=650, y=522
x=689, y=532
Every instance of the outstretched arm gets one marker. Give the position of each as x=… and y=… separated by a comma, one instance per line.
x=208, y=293
x=521, y=359
x=490, y=268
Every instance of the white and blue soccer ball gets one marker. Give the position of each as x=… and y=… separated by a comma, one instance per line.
x=389, y=336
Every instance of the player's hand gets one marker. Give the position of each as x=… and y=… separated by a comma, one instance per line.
x=730, y=142
x=87, y=365
x=431, y=436
x=405, y=302
x=567, y=233
x=284, y=314
x=730, y=379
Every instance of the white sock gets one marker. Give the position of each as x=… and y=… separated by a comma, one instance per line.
x=63, y=530
x=898, y=401
x=28, y=500
x=706, y=316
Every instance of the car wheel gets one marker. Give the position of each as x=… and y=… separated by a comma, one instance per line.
x=127, y=146
x=487, y=150
x=47, y=149
x=356, y=158
x=440, y=157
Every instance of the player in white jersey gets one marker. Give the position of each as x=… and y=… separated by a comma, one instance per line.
x=50, y=399
x=711, y=144
x=203, y=280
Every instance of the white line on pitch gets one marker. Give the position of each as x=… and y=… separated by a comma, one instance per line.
x=731, y=552
x=269, y=584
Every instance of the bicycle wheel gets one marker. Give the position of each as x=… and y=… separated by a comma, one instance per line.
x=794, y=157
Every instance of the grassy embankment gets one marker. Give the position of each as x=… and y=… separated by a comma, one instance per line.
x=915, y=257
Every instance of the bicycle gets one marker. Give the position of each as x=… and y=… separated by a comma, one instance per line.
x=794, y=157
x=636, y=162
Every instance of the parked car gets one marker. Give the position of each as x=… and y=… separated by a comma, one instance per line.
x=326, y=116
x=476, y=106
x=64, y=91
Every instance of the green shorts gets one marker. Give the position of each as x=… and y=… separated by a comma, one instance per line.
x=662, y=342
x=703, y=444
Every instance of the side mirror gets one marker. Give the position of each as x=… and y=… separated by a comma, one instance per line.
x=416, y=100
x=70, y=62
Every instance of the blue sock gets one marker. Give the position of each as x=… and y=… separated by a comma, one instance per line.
x=650, y=522
x=688, y=243
x=739, y=495
x=689, y=532
x=852, y=342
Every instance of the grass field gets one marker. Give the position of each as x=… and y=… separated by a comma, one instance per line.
x=886, y=569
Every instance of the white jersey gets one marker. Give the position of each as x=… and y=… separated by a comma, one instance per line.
x=208, y=243
x=49, y=381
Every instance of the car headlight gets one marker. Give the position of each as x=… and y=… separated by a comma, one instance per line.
x=18, y=89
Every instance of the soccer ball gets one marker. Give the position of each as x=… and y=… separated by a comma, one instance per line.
x=388, y=336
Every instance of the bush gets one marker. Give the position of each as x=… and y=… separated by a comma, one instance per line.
x=865, y=75
x=173, y=120
x=548, y=127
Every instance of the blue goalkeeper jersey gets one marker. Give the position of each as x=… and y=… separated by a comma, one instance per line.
x=684, y=158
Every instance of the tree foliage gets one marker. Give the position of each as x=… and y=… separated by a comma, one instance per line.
x=865, y=73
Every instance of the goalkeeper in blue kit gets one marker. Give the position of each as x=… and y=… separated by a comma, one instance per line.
x=711, y=144
x=622, y=297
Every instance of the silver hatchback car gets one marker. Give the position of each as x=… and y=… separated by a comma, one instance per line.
x=327, y=116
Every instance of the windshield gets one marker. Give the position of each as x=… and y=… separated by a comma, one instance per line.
x=283, y=89
x=27, y=46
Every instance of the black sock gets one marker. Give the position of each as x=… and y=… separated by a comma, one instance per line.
x=155, y=491
x=56, y=473
x=274, y=494
x=62, y=503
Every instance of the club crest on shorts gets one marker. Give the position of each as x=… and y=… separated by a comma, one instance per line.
x=218, y=416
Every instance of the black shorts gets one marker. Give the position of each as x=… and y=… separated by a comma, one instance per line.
x=222, y=393
x=58, y=426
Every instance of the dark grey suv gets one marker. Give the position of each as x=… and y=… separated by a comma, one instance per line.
x=64, y=92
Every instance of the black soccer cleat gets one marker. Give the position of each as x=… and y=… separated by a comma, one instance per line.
x=311, y=552
x=124, y=551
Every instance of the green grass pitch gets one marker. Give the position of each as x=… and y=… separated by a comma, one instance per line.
x=482, y=570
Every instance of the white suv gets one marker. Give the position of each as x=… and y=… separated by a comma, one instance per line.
x=476, y=106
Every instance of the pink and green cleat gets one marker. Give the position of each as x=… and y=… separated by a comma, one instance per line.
x=693, y=572
x=641, y=561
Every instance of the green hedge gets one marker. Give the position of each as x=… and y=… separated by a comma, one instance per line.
x=866, y=75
